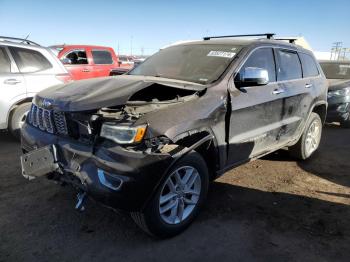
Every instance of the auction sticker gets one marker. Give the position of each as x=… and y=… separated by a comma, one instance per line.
x=221, y=54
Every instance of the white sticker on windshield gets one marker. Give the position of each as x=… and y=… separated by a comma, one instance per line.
x=221, y=54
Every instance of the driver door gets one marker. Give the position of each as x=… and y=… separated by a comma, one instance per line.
x=256, y=117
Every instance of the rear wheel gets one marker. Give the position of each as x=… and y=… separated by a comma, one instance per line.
x=310, y=139
x=178, y=199
x=18, y=118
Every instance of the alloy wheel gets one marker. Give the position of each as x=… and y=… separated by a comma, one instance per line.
x=313, y=138
x=179, y=195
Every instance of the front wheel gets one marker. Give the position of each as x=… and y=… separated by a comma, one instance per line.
x=310, y=139
x=178, y=198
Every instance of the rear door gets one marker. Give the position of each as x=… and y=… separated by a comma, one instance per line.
x=78, y=63
x=36, y=69
x=256, y=116
x=297, y=98
x=103, y=62
x=12, y=85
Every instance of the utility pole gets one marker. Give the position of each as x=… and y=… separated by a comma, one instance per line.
x=336, y=50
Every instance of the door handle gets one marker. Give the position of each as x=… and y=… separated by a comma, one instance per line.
x=12, y=81
x=85, y=70
x=308, y=85
x=278, y=91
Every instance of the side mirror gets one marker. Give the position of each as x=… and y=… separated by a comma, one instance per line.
x=66, y=61
x=252, y=76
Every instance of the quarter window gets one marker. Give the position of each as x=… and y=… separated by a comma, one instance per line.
x=289, y=65
x=309, y=65
x=262, y=58
x=5, y=63
x=29, y=61
x=102, y=57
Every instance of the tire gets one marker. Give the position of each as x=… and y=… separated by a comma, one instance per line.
x=301, y=150
x=164, y=225
x=17, y=118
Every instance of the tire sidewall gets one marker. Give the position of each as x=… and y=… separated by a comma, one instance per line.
x=155, y=223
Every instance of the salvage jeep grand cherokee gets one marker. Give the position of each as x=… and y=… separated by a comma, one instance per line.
x=150, y=141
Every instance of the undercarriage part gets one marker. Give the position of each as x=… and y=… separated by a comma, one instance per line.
x=81, y=196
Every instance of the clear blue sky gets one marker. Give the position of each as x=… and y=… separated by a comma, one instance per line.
x=152, y=24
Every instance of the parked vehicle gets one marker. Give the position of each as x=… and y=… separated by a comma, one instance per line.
x=126, y=61
x=338, y=75
x=25, y=69
x=150, y=141
x=86, y=61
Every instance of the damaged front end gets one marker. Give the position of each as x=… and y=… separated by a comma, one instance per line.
x=111, y=153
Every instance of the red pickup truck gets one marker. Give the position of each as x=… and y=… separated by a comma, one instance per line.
x=86, y=61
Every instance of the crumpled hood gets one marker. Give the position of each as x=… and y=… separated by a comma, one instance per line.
x=336, y=84
x=97, y=93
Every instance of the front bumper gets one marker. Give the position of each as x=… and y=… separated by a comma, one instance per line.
x=117, y=177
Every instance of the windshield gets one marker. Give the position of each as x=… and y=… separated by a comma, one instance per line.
x=202, y=63
x=336, y=70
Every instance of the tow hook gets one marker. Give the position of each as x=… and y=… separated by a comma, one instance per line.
x=80, y=201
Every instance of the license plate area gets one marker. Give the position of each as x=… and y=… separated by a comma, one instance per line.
x=39, y=162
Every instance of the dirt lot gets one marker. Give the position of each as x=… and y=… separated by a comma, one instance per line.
x=274, y=209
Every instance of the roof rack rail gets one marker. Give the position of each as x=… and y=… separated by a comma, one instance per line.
x=290, y=40
x=268, y=36
x=22, y=40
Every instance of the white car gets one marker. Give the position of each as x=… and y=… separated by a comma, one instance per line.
x=25, y=69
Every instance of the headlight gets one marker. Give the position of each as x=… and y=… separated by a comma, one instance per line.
x=123, y=134
x=340, y=92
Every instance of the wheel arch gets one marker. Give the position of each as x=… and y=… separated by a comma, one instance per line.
x=208, y=149
x=14, y=106
x=321, y=110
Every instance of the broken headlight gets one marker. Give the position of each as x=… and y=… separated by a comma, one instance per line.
x=123, y=134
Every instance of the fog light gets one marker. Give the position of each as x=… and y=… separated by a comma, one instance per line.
x=108, y=180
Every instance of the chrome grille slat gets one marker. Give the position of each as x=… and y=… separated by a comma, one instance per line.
x=60, y=123
x=48, y=120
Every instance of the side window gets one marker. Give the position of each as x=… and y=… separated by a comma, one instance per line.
x=262, y=58
x=102, y=57
x=5, y=63
x=309, y=65
x=29, y=61
x=76, y=57
x=289, y=65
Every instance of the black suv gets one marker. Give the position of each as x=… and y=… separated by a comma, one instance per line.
x=338, y=76
x=149, y=142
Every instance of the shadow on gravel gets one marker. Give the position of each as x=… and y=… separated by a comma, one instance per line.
x=237, y=224
x=331, y=161
x=6, y=137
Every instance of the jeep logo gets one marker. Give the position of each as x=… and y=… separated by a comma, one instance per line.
x=46, y=103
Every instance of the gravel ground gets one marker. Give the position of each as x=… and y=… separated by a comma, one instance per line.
x=272, y=209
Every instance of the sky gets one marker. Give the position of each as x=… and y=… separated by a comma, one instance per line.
x=145, y=26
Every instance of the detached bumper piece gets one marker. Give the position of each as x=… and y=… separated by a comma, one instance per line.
x=39, y=162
